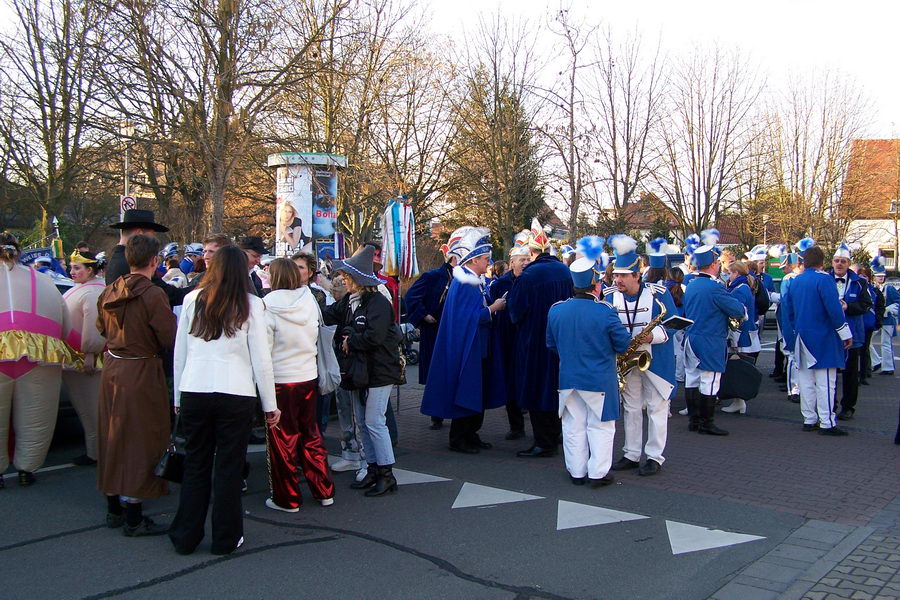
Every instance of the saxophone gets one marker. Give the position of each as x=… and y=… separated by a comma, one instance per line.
x=633, y=358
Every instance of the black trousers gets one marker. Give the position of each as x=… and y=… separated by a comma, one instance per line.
x=779, y=359
x=546, y=427
x=850, y=380
x=216, y=430
x=464, y=430
x=865, y=364
x=514, y=414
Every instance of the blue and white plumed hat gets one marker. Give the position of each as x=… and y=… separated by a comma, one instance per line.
x=691, y=243
x=170, y=250
x=877, y=264
x=843, y=251
x=194, y=249
x=451, y=248
x=565, y=251
x=777, y=251
x=586, y=270
x=757, y=253
x=472, y=244
x=625, y=250
x=804, y=245
x=657, y=255
x=707, y=254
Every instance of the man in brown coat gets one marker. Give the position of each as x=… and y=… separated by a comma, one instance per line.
x=135, y=318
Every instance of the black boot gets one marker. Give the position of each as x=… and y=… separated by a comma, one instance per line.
x=384, y=483
x=707, y=412
x=690, y=397
x=367, y=481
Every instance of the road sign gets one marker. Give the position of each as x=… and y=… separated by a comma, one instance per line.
x=127, y=203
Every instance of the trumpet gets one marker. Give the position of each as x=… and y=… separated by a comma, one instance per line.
x=734, y=323
x=633, y=358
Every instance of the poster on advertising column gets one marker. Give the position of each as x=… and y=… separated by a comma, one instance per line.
x=306, y=189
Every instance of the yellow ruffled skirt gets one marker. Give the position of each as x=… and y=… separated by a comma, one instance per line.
x=38, y=348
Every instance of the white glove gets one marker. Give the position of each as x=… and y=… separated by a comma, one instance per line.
x=893, y=309
x=774, y=297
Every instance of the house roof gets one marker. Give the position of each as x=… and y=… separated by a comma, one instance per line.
x=873, y=177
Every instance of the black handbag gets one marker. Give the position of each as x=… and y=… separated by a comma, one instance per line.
x=171, y=465
x=355, y=372
x=741, y=380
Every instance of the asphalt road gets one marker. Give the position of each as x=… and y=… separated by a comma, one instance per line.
x=519, y=529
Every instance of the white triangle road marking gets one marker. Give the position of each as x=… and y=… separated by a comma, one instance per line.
x=473, y=494
x=685, y=538
x=405, y=477
x=570, y=515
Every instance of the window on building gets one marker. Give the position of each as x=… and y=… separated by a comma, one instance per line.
x=890, y=261
x=895, y=207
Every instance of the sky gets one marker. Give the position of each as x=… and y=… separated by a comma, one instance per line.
x=858, y=39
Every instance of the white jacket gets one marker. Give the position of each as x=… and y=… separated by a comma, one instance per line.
x=292, y=321
x=236, y=365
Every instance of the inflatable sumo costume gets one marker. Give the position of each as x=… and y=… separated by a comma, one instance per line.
x=33, y=325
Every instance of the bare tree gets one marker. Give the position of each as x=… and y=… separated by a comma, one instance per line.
x=50, y=128
x=494, y=154
x=706, y=136
x=627, y=96
x=218, y=65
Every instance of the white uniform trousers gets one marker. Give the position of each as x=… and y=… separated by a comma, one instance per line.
x=33, y=399
x=708, y=382
x=678, y=340
x=587, y=441
x=817, y=396
x=790, y=370
x=637, y=395
x=84, y=392
x=887, y=348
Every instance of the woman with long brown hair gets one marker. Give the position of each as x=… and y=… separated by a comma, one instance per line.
x=221, y=359
x=292, y=321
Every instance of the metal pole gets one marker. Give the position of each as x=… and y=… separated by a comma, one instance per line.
x=127, y=182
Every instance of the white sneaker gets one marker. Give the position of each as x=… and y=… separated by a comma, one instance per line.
x=345, y=465
x=683, y=412
x=361, y=473
x=326, y=501
x=271, y=504
x=240, y=543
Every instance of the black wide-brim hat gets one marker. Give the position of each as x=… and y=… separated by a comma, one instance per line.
x=254, y=243
x=135, y=217
x=359, y=267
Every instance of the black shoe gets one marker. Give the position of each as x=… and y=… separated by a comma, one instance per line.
x=782, y=388
x=650, y=467
x=625, y=464
x=480, y=444
x=781, y=379
x=367, y=481
x=846, y=415
x=835, y=431
x=435, y=425
x=578, y=480
x=603, y=481
x=536, y=452
x=876, y=368
x=891, y=373
x=84, y=461
x=114, y=521
x=810, y=426
x=26, y=478
x=775, y=374
x=795, y=398
x=464, y=448
x=515, y=435
x=863, y=382
x=385, y=482
x=711, y=429
x=146, y=527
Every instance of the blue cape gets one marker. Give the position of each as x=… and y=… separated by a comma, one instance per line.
x=455, y=381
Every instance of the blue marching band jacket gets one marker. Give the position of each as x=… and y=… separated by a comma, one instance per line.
x=587, y=334
x=856, y=295
x=814, y=320
x=709, y=305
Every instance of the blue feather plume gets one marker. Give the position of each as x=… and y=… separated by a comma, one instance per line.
x=709, y=237
x=805, y=244
x=656, y=245
x=590, y=247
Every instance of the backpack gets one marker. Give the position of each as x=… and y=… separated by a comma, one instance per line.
x=762, y=298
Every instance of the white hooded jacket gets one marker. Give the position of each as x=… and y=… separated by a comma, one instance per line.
x=292, y=321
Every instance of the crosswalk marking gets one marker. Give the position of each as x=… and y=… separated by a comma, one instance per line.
x=684, y=538
x=570, y=515
x=473, y=494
